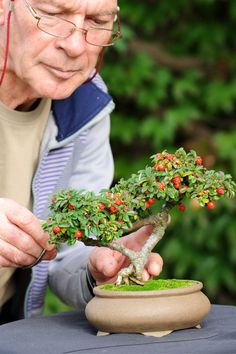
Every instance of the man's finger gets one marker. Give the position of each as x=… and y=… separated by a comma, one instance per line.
x=137, y=239
x=26, y=221
x=154, y=264
x=14, y=255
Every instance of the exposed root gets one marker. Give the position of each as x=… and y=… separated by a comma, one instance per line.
x=124, y=274
x=132, y=274
x=136, y=281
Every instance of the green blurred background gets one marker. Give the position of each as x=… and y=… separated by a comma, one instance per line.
x=173, y=79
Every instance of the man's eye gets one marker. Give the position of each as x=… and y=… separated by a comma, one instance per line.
x=100, y=22
x=48, y=13
x=54, y=14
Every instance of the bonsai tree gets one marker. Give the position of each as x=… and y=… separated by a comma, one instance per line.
x=103, y=218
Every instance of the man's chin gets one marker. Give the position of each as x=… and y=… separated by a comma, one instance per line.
x=60, y=91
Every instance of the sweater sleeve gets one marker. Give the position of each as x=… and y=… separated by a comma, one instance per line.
x=68, y=275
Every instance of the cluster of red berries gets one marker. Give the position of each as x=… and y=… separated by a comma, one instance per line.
x=149, y=202
x=210, y=205
x=176, y=180
x=112, y=208
x=159, y=167
x=78, y=233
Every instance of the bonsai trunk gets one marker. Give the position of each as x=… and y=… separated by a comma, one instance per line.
x=133, y=273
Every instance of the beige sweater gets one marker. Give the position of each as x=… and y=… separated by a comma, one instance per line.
x=20, y=140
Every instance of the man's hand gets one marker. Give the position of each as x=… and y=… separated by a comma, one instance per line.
x=104, y=263
x=21, y=236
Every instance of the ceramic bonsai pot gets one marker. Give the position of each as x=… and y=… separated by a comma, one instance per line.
x=152, y=312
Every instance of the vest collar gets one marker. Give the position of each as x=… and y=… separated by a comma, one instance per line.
x=72, y=113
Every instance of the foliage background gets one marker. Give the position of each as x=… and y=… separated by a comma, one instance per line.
x=174, y=84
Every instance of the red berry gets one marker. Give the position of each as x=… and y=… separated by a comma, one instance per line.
x=71, y=206
x=159, y=155
x=151, y=200
x=146, y=191
x=211, y=205
x=113, y=209
x=198, y=161
x=101, y=206
x=161, y=167
x=56, y=229
x=118, y=201
x=78, y=234
x=176, y=185
x=147, y=205
x=176, y=180
x=161, y=186
x=220, y=191
x=169, y=157
x=155, y=167
x=182, y=207
x=53, y=199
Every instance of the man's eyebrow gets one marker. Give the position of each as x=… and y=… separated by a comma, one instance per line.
x=112, y=11
x=106, y=12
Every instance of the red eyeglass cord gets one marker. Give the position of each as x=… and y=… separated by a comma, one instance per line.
x=11, y=7
x=98, y=67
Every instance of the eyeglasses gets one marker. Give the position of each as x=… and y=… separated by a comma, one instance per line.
x=62, y=28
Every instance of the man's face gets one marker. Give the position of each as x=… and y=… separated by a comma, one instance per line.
x=54, y=67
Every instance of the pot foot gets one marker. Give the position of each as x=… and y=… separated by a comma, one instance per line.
x=157, y=333
x=102, y=334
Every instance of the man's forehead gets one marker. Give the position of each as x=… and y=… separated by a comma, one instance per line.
x=99, y=6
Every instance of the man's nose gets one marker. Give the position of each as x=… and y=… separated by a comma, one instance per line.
x=75, y=44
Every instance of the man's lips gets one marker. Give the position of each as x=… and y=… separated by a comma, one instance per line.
x=64, y=74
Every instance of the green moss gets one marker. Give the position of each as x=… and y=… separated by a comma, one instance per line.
x=155, y=284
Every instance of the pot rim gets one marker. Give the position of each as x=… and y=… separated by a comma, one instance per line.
x=197, y=286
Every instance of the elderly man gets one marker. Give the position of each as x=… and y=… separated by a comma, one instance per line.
x=54, y=134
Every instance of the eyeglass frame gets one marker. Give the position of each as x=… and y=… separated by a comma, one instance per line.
x=117, y=34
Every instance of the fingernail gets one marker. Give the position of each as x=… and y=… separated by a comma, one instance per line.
x=156, y=269
x=145, y=276
x=50, y=246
